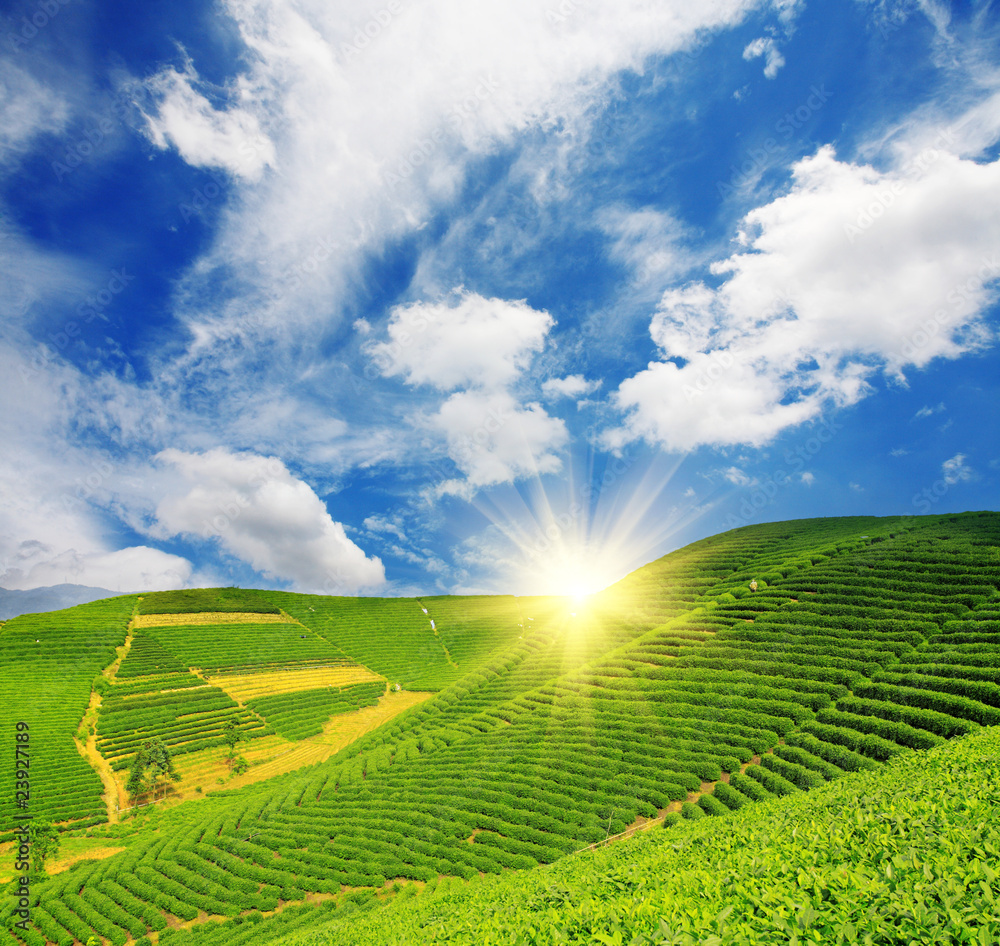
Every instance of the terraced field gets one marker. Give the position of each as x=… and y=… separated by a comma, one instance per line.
x=676, y=695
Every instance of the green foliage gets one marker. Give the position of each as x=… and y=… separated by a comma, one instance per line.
x=150, y=765
x=200, y=600
x=302, y=713
x=44, y=843
x=547, y=733
x=906, y=854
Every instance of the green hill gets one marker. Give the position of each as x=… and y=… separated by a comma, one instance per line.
x=677, y=693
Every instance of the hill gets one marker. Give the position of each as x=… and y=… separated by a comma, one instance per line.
x=543, y=727
x=50, y=598
x=907, y=853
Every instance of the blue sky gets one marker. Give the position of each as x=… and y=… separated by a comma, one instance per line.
x=426, y=296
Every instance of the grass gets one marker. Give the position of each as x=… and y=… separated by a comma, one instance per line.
x=250, y=686
x=199, y=600
x=906, y=853
x=550, y=729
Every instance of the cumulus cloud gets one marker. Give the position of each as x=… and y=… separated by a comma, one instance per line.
x=476, y=341
x=493, y=439
x=765, y=46
x=853, y=271
x=956, y=470
x=477, y=348
x=263, y=515
x=230, y=138
x=138, y=568
x=574, y=385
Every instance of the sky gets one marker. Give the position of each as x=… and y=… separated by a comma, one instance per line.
x=426, y=296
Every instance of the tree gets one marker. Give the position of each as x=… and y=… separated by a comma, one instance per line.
x=232, y=735
x=149, y=765
x=44, y=843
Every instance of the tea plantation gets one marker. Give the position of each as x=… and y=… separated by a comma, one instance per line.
x=866, y=658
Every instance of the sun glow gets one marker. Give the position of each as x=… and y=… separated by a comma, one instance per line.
x=573, y=535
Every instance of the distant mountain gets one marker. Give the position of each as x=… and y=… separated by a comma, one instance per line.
x=52, y=598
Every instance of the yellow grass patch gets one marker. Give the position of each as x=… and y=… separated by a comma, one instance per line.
x=339, y=732
x=246, y=686
x=71, y=850
x=211, y=617
x=274, y=755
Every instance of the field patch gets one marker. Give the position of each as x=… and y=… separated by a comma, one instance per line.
x=181, y=709
x=258, y=646
x=211, y=617
x=248, y=686
x=302, y=713
x=198, y=600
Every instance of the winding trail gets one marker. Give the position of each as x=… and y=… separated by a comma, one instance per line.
x=113, y=797
x=112, y=790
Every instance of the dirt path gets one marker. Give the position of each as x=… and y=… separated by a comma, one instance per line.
x=644, y=824
x=113, y=799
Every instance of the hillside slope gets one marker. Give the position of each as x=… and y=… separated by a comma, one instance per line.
x=909, y=853
x=555, y=728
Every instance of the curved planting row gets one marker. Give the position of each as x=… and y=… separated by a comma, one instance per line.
x=182, y=710
x=47, y=663
x=217, y=647
x=300, y=714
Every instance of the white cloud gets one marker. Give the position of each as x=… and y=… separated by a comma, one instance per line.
x=856, y=487
x=956, y=470
x=28, y=108
x=574, y=385
x=367, y=141
x=853, y=271
x=653, y=244
x=476, y=342
x=766, y=47
x=263, y=515
x=736, y=476
x=56, y=495
x=138, y=568
x=927, y=411
x=493, y=440
x=382, y=524
x=808, y=478
x=231, y=139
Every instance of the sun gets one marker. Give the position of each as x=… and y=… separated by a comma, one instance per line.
x=576, y=574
